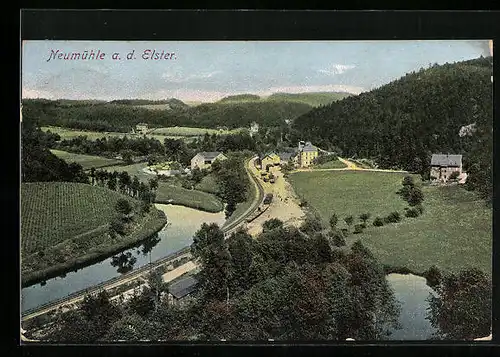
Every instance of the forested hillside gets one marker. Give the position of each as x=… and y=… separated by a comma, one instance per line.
x=401, y=124
x=124, y=115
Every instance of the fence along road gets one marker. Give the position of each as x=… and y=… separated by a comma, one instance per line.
x=136, y=273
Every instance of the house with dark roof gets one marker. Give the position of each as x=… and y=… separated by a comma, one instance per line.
x=203, y=160
x=182, y=288
x=307, y=152
x=286, y=157
x=444, y=165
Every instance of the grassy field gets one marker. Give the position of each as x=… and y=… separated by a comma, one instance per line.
x=66, y=133
x=63, y=224
x=181, y=131
x=454, y=232
x=190, y=198
x=334, y=164
x=180, y=196
x=87, y=161
x=208, y=184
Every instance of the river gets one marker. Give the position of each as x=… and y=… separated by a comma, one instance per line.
x=412, y=292
x=183, y=222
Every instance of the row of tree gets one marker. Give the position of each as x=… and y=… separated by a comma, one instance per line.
x=124, y=183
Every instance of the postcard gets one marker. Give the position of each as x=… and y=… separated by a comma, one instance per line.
x=335, y=191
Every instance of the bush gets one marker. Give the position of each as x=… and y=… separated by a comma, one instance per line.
x=408, y=181
x=419, y=208
x=363, y=225
x=123, y=206
x=364, y=217
x=338, y=239
x=393, y=217
x=345, y=231
x=416, y=197
x=433, y=276
x=378, y=222
x=358, y=229
x=454, y=175
x=412, y=212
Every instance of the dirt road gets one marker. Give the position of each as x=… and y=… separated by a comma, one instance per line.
x=285, y=205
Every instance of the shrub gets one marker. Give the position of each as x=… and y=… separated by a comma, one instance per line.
x=345, y=231
x=408, y=181
x=378, y=222
x=393, y=217
x=338, y=239
x=123, y=206
x=358, y=229
x=349, y=220
x=419, y=208
x=364, y=217
x=412, y=212
x=333, y=221
x=416, y=197
x=363, y=225
x=454, y=175
x=433, y=276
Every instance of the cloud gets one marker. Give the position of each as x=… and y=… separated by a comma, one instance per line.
x=180, y=78
x=337, y=69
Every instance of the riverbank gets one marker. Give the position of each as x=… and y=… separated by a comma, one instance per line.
x=153, y=222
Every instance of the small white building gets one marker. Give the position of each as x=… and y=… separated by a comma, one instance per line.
x=203, y=160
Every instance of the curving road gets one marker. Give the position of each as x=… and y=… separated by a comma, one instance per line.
x=137, y=273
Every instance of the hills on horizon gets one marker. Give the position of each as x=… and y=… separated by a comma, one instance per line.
x=311, y=98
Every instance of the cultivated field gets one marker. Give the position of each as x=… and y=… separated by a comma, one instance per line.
x=454, y=232
x=87, y=161
x=54, y=212
x=64, y=225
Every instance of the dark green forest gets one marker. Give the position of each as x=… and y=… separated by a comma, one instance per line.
x=123, y=115
x=401, y=124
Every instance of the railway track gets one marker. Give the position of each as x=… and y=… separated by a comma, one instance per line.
x=119, y=280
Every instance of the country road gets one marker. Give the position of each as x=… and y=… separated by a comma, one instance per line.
x=140, y=272
x=350, y=167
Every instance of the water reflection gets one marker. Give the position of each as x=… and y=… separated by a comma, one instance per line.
x=183, y=223
x=412, y=292
x=124, y=262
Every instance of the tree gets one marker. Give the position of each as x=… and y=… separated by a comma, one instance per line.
x=117, y=226
x=270, y=224
x=127, y=156
x=364, y=217
x=333, y=221
x=312, y=224
x=123, y=206
x=207, y=234
x=462, y=308
x=358, y=229
x=408, y=181
x=153, y=184
x=416, y=197
x=349, y=220
x=378, y=222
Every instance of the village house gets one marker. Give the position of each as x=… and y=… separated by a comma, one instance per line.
x=307, y=152
x=286, y=157
x=270, y=159
x=204, y=160
x=442, y=167
x=141, y=128
x=179, y=290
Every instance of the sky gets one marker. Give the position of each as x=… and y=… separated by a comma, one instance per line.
x=205, y=71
